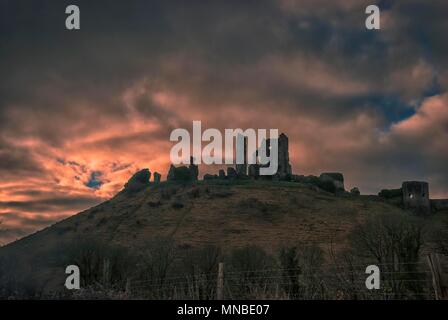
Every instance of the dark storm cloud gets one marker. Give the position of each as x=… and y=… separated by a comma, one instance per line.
x=16, y=161
x=51, y=204
x=216, y=52
x=19, y=218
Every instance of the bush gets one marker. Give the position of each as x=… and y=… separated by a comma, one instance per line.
x=177, y=205
x=101, y=262
x=390, y=193
x=289, y=262
x=156, y=260
x=194, y=193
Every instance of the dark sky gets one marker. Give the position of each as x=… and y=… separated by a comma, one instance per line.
x=80, y=111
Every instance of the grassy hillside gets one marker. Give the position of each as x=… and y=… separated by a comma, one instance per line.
x=228, y=215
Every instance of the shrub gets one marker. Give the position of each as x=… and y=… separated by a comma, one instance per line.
x=390, y=193
x=194, y=193
x=177, y=205
x=100, y=262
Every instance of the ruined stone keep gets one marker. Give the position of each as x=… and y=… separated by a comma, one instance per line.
x=241, y=169
x=416, y=196
x=284, y=167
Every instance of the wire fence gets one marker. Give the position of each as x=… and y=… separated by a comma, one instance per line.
x=289, y=283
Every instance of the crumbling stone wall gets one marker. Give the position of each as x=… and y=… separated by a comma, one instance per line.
x=241, y=169
x=183, y=173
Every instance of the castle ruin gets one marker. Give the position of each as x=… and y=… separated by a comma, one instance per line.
x=416, y=197
x=284, y=170
x=241, y=169
x=413, y=195
x=284, y=167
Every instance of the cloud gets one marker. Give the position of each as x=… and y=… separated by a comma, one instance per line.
x=50, y=204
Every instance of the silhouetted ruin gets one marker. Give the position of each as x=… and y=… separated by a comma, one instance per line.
x=413, y=195
x=416, y=196
x=284, y=167
x=241, y=169
x=157, y=177
x=184, y=173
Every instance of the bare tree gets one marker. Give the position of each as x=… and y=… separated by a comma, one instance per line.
x=156, y=260
x=101, y=264
x=250, y=272
x=440, y=239
x=201, y=266
x=290, y=265
x=394, y=243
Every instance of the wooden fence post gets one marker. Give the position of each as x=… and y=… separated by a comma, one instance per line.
x=106, y=272
x=220, y=284
x=439, y=277
x=128, y=287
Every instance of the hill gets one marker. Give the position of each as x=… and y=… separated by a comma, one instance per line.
x=225, y=214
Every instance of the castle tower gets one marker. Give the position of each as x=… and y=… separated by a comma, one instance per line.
x=194, y=170
x=284, y=167
x=241, y=169
x=416, y=197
